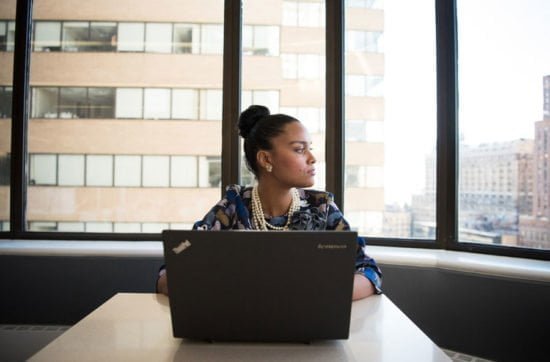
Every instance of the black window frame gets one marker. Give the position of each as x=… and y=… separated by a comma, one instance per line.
x=447, y=140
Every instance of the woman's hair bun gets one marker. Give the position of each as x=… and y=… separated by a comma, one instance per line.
x=249, y=118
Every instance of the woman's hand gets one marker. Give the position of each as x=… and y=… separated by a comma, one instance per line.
x=362, y=287
x=162, y=284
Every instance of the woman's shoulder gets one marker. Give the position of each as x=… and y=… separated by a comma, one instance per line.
x=232, y=190
x=316, y=197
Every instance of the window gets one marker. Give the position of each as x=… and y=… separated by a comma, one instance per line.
x=76, y=36
x=129, y=103
x=103, y=37
x=99, y=170
x=44, y=102
x=183, y=171
x=47, y=36
x=5, y=102
x=7, y=35
x=131, y=37
x=212, y=39
x=185, y=103
x=70, y=170
x=304, y=13
x=156, y=171
x=501, y=205
x=210, y=171
x=260, y=40
x=186, y=38
x=157, y=103
x=43, y=169
x=211, y=104
x=127, y=170
x=364, y=41
x=158, y=38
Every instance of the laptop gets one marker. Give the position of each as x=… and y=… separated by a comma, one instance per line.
x=260, y=286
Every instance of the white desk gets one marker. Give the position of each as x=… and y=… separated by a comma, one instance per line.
x=137, y=327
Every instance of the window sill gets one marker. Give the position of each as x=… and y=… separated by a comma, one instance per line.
x=489, y=265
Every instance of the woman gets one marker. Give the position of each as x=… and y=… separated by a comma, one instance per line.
x=278, y=151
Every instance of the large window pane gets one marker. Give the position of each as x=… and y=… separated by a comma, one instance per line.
x=283, y=66
x=390, y=118
x=504, y=163
x=122, y=107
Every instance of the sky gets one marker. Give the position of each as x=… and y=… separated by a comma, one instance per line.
x=504, y=51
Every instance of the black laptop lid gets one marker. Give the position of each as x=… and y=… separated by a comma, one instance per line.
x=260, y=286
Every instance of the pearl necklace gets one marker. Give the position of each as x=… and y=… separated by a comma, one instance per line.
x=258, y=216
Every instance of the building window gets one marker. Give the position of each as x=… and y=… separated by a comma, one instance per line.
x=212, y=39
x=129, y=102
x=76, y=36
x=156, y=171
x=131, y=37
x=127, y=170
x=268, y=98
x=43, y=169
x=211, y=104
x=70, y=170
x=370, y=4
x=5, y=101
x=158, y=37
x=47, y=36
x=303, y=13
x=44, y=102
x=157, y=103
x=99, y=170
x=185, y=104
x=210, y=174
x=7, y=35
x=186, y=38
x=183, y=171
x=260, y=40
x=103, y=37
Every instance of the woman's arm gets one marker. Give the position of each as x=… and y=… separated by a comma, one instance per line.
x=362, y=287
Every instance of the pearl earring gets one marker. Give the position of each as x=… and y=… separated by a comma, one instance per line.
x=269, y=168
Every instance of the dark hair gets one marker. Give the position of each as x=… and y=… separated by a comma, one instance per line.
x=257, y=126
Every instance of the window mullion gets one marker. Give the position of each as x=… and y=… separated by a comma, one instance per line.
x=20, y=116
x=334, y=140
x=446, y=181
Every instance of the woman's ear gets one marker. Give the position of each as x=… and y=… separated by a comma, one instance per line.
x=264, y=159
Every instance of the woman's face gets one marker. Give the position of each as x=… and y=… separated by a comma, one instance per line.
x=291, y=157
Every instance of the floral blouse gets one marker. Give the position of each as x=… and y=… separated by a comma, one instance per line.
x=317, y=212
